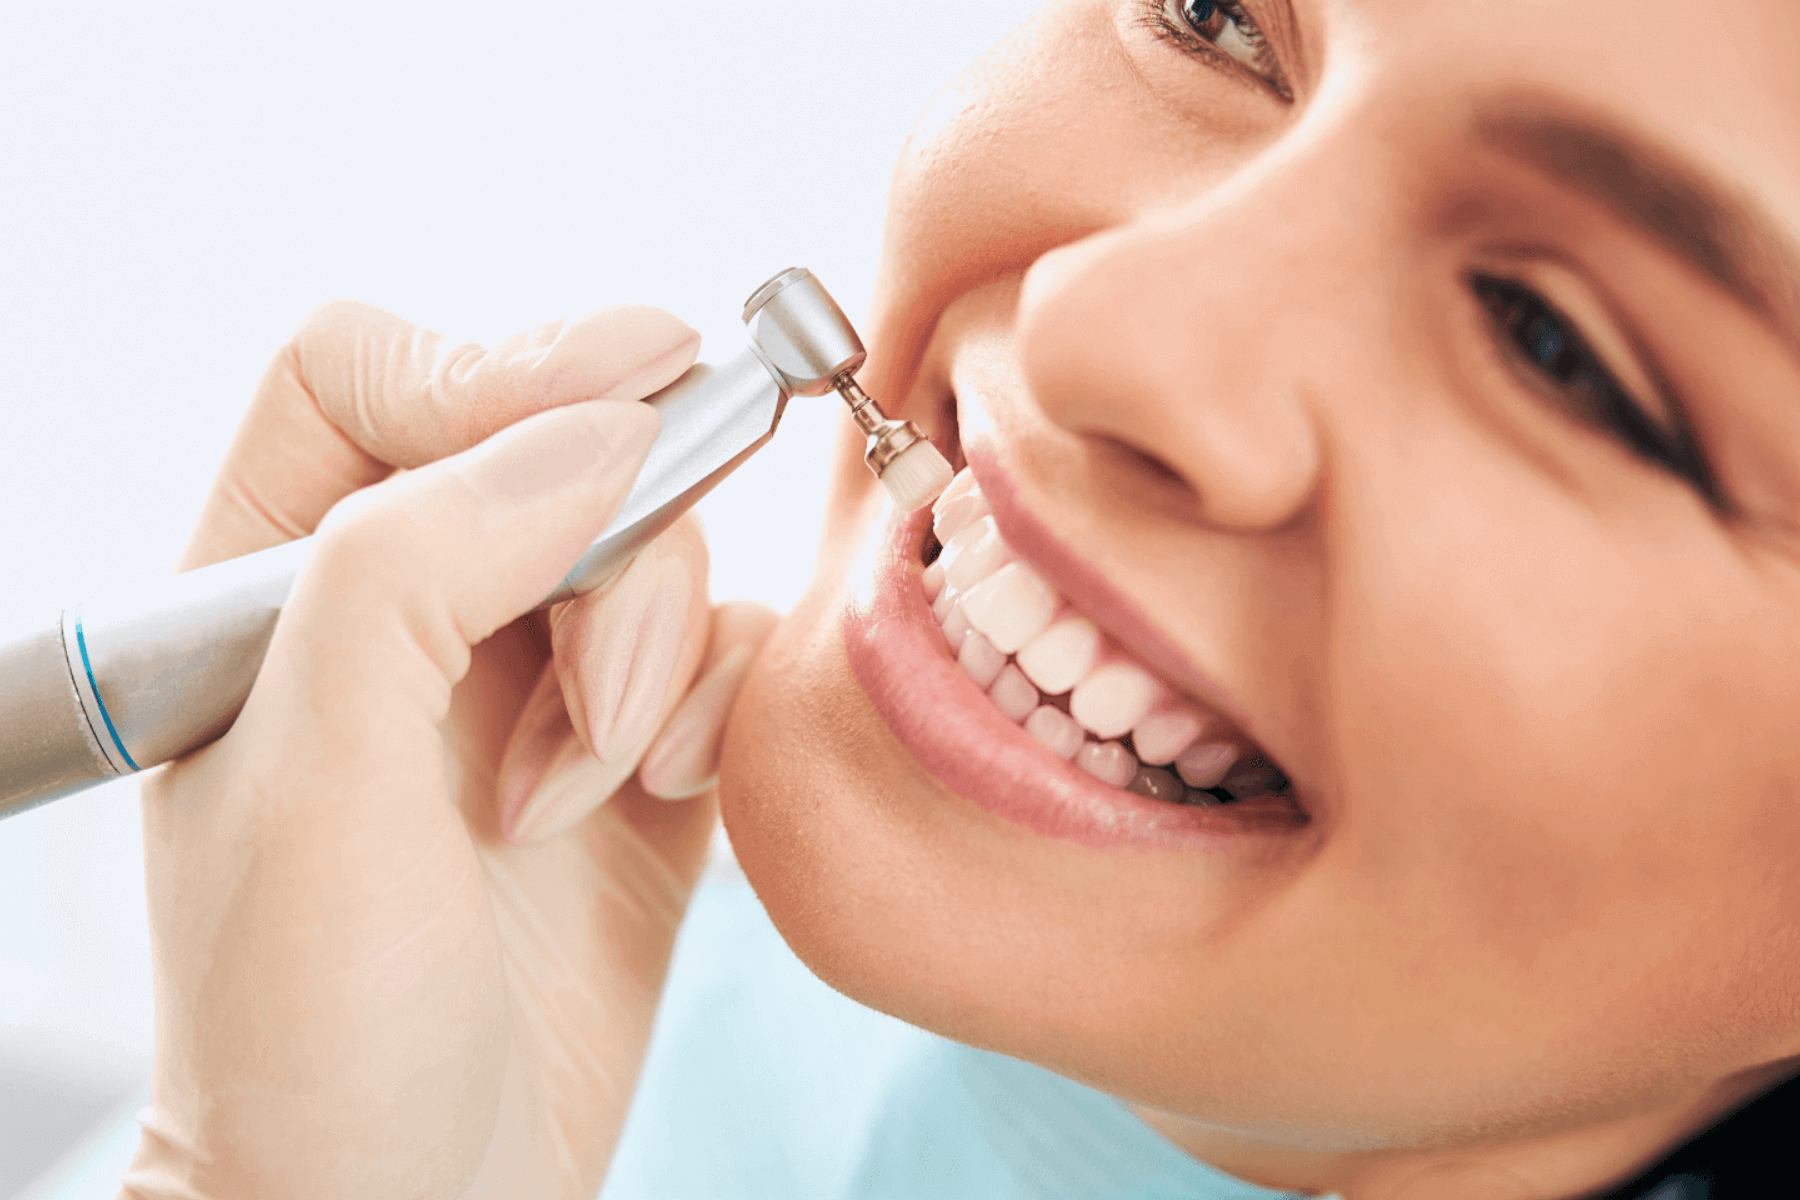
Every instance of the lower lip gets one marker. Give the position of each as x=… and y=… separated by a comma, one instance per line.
x=954, y=731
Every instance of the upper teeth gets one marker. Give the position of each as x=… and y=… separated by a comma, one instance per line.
x=1057, y=658
x=1011, y=606
x=993, y=606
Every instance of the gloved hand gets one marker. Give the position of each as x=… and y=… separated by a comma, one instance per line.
x=402, y=947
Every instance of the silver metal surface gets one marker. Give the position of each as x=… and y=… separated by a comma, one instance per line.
x=171, y=661
x=713, y=418
x=127, y=681
x=46, y=747
x=802, y=335
x=888, y=438
x=771, y=286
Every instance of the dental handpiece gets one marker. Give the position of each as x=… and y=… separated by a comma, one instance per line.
x=130, y=680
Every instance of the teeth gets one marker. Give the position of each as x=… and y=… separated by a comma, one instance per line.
x=993, y=607
x=961, y=504
x=1011, y=606
x=973, y=554
x=1058, y=658
x=1157, y=784
x=1054, y=728
x=956, y=628
x=1160, y=737
x=1113, y=698
x=940, y=607
x=962, y=485
x=1108, y=762
x=1204, y=765
x=979, y=660
x=1013, y=694
x=933, y=581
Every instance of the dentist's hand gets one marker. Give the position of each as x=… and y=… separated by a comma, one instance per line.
x=402, y=948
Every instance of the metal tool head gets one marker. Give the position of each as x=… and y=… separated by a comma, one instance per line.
x=801, y=335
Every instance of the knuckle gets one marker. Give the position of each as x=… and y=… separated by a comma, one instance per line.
x=366, y=536
x=331, y=324
x=335, y=317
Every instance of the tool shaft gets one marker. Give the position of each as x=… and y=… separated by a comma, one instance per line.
x=139, y=676
x=129, y=680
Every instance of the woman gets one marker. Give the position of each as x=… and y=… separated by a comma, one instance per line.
x=1385, y=409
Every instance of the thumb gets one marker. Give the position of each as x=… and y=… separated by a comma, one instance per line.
x=408, y=575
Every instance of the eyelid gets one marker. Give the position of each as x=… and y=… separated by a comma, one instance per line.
x=1592, y=318
x=1155, y=16
x=1668, y=442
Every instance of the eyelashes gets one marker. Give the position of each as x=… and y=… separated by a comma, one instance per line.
x=1550, y=346
x=1221, y=33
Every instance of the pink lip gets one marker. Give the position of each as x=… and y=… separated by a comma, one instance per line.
x=954, y=731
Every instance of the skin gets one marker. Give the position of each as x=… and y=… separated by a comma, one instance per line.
x=372, y=976
x=1535, y=693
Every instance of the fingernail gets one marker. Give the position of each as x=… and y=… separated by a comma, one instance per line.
x=575, y=784
x=685, y=760
x=637, y=655
x=562, y=448
x=532, y=750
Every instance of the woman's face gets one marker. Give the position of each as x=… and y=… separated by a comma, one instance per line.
x=1416, y=397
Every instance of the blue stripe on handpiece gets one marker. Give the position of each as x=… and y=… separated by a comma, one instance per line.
x=94, y=686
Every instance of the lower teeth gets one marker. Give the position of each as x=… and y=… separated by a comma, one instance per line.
x=1249, y=777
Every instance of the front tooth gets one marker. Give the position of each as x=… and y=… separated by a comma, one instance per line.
x=940, y=607
x=1113, y=698
x=979, y=660
x=955, y=542
x=1108, y=762
x=1202, y=765
x=1013, y=694
x=956, y=627
x=1161, y=737
x=932, y=580
x=1157, y=784
x=961, y=504
x=962, y=485
x=973, y=554
x=1053, y=727
x=1011, y=606
x=1057, y=658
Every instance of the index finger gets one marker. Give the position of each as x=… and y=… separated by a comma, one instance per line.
x=359, y=392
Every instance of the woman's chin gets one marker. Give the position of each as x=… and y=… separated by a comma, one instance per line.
x=914, y=901
x=796, y=812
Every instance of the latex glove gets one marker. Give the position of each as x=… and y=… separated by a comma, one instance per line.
x=362, y=988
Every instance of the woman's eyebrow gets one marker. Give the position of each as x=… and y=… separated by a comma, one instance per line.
x=1728, y=238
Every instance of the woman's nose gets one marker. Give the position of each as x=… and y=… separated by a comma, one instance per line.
x=1188, y=339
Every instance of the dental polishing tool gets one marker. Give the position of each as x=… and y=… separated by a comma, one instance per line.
x=131, y=680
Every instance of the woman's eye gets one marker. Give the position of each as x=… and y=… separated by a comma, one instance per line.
x=1553, y=348
x=1224, y=27
x=1210, y=20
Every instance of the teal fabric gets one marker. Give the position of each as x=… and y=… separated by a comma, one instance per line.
x=761, y=1082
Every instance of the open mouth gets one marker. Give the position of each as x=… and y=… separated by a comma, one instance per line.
x=1017, y=677
x=1050, y=669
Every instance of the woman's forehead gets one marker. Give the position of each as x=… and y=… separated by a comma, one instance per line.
x=1733, y=57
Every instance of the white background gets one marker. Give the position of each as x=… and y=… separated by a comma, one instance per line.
x=180, y=185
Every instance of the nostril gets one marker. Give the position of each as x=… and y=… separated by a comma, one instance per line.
x=1152, y=470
